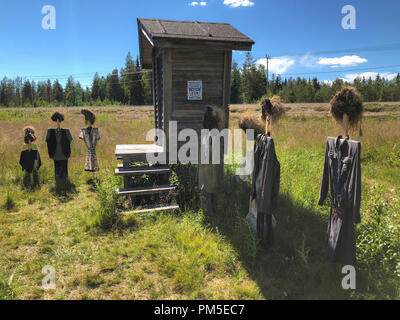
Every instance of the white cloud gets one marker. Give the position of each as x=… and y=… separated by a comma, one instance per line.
x=387, y=75
x=328, y=82
x=196, y=3
x=342, y=61
x=277, y=65
x=308, y=60
x=238, y=3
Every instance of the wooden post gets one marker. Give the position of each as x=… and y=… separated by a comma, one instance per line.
x=167, y=93
x=267, y=84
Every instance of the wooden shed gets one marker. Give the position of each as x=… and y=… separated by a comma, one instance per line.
x=191, y=63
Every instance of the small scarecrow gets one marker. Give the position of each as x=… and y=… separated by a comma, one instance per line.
x=59, y=146
x=90, y=135
x=30, y=157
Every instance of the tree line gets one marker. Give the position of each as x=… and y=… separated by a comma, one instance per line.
x=133, y=86
x=130, y=86
x=248, y=85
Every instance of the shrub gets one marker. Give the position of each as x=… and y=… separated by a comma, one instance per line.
x=105, y=215
x=184, y=177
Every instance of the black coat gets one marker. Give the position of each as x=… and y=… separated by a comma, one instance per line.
x=342, y=175
x=28, y=158
x=52, y=143
x=266, y=182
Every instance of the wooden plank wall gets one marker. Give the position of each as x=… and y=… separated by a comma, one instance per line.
x=195, y=64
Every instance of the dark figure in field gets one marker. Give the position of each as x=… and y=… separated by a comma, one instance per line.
x=266, y=170
x=342, y=175
x=90, y=136
x=210, y=175
x=30, y=156
x=59, y=146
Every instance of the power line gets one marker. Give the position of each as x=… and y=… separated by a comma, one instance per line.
x=387, y=47
x=342, y=70
x=81, y=75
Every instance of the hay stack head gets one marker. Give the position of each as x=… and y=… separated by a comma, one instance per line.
x=272, y=108
x=29, y=134
x=57, y=116
x=214, y=118
x=247, y=121
x=347, y=101
x=89, y=116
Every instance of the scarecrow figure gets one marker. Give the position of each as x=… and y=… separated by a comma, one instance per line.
x=30, y=155
x=59, y=146
x=266, y=170
x=342, y=175
x=90, y=136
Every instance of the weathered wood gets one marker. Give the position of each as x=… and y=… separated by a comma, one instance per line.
x=136, y=153
x=140, y=191
x=168, y=92
x=128, y=149
x=227, y=85
x=153, y=208
x=200, y=45
x=142, y=171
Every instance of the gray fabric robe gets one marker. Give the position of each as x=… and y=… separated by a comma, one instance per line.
x=265, y=188
x=342, y=175
x=90, y=139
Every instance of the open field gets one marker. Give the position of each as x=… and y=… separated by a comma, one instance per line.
x=191, y=255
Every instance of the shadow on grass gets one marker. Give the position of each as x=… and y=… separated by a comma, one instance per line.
x=92, y=183
x=64, y=190
x=294, y=267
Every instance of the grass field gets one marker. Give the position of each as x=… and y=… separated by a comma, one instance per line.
x=191, y=255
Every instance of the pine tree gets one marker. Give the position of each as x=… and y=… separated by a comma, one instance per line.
x=71, y=95
x=58, y=93
x=27, y=96
x=96, y=87
x=147, y=84
x=235, y=84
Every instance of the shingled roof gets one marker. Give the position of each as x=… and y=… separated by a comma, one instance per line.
x=159, y=29
x=162, y=32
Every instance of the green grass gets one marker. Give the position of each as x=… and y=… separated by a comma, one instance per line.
x=100, y=254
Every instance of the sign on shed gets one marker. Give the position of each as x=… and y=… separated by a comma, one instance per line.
x=195, y=90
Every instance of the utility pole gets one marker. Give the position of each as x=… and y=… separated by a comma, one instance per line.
x=268, y=57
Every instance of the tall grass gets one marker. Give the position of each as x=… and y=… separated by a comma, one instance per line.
x=193, y=254
x=104, y=214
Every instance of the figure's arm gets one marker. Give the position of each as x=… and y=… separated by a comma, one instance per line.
x=325, y=179
x=357, y=186
x=80, y=135
x=69, y=137
x=276, y=185
x=255, y=169
x=21, y=160
x=38, y=161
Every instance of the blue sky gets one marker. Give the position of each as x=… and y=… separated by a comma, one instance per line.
x=95, y=36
